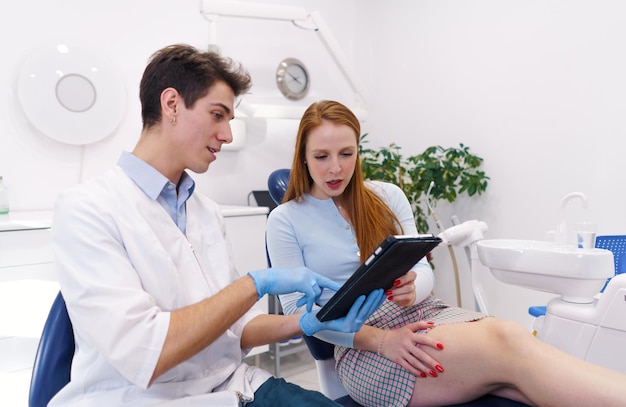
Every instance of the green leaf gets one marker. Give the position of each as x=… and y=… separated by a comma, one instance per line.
x=454, y=171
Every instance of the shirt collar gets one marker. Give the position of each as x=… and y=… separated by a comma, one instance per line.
x=151, y=181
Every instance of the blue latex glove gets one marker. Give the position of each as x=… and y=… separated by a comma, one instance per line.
x=352, y=322
x=288, y=280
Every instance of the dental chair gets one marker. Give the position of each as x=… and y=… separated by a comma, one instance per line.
x=617, y=245
x=53, y=360
x=323, y=352
x=595, y=330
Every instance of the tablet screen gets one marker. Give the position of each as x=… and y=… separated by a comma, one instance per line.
x=393, y=258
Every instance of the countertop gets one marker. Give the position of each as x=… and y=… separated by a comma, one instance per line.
x=32, y=220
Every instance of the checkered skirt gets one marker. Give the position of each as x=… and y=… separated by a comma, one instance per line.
x=375, y=381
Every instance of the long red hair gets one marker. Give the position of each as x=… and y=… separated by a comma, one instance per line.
x=372, y=219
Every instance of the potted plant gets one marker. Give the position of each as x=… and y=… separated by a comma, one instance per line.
x=452, y=171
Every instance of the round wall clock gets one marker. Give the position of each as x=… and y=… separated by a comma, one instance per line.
x=292, y=79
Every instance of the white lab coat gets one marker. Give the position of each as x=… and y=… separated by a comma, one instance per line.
x=123, y=265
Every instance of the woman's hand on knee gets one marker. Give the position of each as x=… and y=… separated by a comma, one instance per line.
x=403, y=290
x=406, y=347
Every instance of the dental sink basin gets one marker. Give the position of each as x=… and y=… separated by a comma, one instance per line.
x=576, y=274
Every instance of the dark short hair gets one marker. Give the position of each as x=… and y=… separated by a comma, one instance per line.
x=191, y=72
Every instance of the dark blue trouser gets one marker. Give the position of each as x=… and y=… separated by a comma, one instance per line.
x=276, y=392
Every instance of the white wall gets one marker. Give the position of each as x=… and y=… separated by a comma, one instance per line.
x=36, y=168
x=534, y=87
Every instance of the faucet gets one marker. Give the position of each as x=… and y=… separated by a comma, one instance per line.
x=561, y=236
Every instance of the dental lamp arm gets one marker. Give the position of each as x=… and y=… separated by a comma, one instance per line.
x=212, y=9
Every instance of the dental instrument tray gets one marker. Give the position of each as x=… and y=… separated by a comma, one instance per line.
x=393, y=258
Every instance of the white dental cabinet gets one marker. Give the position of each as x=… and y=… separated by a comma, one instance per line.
x=28, y=285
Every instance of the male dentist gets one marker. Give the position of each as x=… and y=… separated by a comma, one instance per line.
x=160, y=315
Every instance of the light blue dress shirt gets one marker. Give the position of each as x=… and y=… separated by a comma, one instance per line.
x=159, y=188
x=312, y=233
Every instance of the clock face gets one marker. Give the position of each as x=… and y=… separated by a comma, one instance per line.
x=292, y=78
x=297, y=78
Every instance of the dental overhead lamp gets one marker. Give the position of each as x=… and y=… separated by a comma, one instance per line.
x=211, y=10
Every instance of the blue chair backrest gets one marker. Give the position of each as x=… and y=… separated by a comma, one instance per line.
x=617, y=245
x=53, y=361
x=277, y=184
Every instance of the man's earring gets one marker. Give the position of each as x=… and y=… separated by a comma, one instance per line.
x=173, y=120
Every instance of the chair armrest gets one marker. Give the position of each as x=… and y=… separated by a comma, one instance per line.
x=320, y=349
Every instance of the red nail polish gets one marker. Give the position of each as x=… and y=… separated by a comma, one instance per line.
x=397, y=283
x=423, y=374
x=438, y=367
x=439, y=346
x=388, y=292
x=430, y=323
x=433, y=373
x=390, y=298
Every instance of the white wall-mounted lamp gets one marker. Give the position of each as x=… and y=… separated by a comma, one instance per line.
x=71, y=94
x=238, y=129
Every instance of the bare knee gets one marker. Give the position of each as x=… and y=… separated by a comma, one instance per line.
x=508, y=334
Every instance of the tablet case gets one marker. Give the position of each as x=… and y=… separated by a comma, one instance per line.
x=392, y=259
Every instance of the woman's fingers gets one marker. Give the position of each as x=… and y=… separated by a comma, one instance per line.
x=403, y=290
x=420, y=363
x=406, y=348
x=414, y=327
x=403, y=295
x=424, y=359
x=407, y=278
x=416, y=367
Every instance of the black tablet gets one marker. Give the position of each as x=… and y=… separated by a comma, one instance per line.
x=392, y=259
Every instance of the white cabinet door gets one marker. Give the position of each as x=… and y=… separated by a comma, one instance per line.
x=245, y=227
